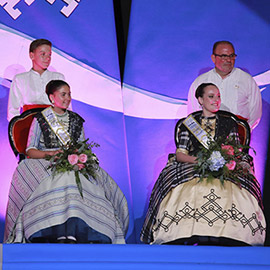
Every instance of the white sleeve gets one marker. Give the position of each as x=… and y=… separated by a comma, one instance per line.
x=255, y=104
x=14, y=100
x=34, y=135
x=61, y=77
x=82, y=136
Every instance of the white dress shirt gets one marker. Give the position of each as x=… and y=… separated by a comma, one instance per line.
x=29, y=88
x=239, y=94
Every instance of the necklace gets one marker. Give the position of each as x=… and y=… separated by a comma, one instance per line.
x=209, y=124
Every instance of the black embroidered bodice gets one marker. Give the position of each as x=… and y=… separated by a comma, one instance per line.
x=74, y=129
x=224, y=126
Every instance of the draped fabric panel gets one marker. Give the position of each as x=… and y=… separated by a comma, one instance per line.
x=85, y=51
x=169, y=45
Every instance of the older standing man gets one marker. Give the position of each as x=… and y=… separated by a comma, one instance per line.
x=239, y=92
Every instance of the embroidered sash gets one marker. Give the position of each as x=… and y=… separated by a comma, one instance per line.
x=56, y=126
x=195, y=128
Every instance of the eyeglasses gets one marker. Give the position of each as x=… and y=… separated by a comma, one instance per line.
x=226, y=56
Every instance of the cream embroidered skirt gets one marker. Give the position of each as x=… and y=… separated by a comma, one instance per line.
x=210, y=209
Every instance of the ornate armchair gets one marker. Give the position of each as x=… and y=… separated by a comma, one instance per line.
x=18, y=130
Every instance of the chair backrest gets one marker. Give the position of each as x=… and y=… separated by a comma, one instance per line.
x=243, y=127
x=18, y=130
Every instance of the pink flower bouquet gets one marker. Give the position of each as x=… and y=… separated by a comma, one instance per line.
x=77, y=157
x=223, y=160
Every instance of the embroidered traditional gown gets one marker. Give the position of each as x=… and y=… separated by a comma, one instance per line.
x=181, y=209
x=42, y=208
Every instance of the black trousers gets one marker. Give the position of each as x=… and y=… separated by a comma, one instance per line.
x=197, y=240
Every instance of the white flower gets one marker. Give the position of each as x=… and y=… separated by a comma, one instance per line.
x=216, y=161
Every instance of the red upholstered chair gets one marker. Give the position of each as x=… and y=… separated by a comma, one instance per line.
x=18, y=130
x=243, y=128
x=34, y=106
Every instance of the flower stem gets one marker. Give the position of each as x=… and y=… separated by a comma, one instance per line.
x=78, y=182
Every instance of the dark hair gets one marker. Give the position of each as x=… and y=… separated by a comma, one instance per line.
x=38, y=42
x=221, y=42
x=54, y=85
x=200, y=89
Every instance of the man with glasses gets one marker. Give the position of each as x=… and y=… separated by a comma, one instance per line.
x=239, y=91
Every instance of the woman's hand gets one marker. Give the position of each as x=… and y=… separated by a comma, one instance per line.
x=53, y=153
x=246, y=167
x=181, y=157
x=35, y=153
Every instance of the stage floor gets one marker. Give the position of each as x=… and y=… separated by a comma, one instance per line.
x=129, y=257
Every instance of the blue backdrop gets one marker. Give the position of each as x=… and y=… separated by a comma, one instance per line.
x=169, y=45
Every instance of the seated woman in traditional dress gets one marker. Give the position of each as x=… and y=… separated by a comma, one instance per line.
x=185, y=210
x=49, y=208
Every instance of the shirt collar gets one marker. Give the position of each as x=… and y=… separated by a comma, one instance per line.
x=233, y=70
x=35, y=72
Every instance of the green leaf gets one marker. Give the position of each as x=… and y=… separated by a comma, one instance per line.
x=60, y=164
x=78, y=182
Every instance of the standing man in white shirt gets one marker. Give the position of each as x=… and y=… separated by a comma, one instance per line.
x=239, y=92
x=28, y=88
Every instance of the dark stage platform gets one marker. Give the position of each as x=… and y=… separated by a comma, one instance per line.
x=128, y=257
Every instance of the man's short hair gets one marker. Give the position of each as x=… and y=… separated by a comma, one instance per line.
x=221, y=42
x=38, y=42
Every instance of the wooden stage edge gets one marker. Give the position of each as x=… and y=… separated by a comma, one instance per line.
x=131, y=256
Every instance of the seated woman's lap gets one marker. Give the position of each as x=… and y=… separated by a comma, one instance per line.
x=74, y=227
x=197, y=240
